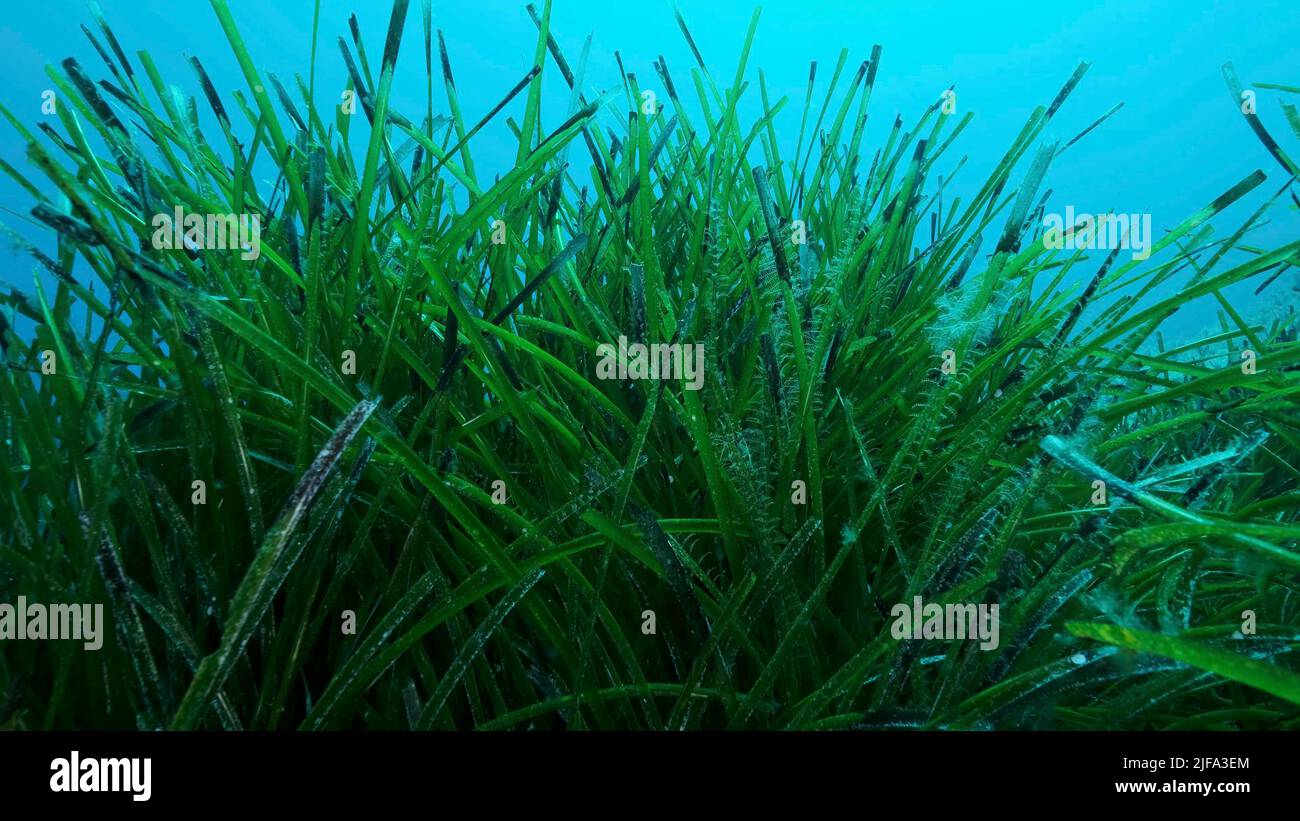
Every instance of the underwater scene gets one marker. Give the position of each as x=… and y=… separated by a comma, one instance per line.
x=427, y=365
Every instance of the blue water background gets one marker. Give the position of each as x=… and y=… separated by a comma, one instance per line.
x=1178, y=142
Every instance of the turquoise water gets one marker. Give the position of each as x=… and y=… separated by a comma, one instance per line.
x=1178, y=142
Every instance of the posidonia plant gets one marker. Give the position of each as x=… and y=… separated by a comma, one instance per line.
x=390, y=410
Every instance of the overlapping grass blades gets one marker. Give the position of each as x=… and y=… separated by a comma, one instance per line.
x=476, y=362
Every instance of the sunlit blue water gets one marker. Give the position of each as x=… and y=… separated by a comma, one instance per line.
x=1178, y=142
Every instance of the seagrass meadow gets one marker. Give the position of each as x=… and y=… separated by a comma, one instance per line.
x=391, y=412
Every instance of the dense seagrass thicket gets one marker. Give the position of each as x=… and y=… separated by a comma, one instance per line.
x=329, y=491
